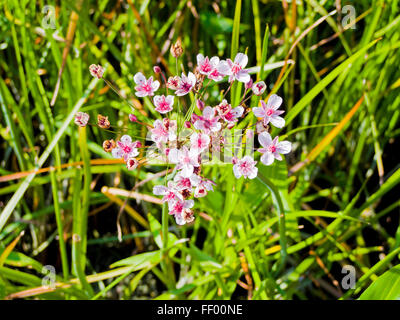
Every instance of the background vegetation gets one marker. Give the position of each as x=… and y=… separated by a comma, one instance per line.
x=333, y=202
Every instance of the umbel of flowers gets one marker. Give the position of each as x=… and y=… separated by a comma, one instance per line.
x=188, y=183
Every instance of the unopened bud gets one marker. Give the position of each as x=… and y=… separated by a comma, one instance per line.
x=176, y=49
x=96, y=71
x=132, y=117
x=108, y=145
x=102, y=121
x=249, y=84
x=157, y=69
x=81, y=119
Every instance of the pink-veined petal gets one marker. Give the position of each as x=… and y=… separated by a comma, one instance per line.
x=236, y=171
x=125, y=139
x=139, y=78
x=160, y=190
x=241, y=59
x=277, y=121
x=274, y=102
x=259, y=112
x=277, y=156
x=253, y=173
x=284, y=147
x=265, y=139
x=243, y=76
x=173, y=155
x=267, y=158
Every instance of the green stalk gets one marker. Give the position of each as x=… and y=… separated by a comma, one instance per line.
x=63, y=250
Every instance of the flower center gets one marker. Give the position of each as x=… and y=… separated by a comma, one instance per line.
x=236, y=68
x=272, y=148
x=270, y=112
x=126, y=149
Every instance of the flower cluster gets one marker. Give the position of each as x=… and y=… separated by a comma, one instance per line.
x=202, y=126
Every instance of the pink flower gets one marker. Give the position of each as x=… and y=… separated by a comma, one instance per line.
x=177, y=207
x=186, y=84
x=245, y=167
x=269, y=111
x=170, y=193
x=203, y=187
x=185, y=159
x=259, y=88
x=161, y=134
x=186, y=183
x=132, y=163
x=186, y=216
x=163, y=103
x=236, y=68
x=81, y=119
x=96, y=71
x=145, y=87
x=203, y=64
x=232, y=115
x=220, y=69
x=173, y=82
x=208, y=122
x=199, y=141
x=126, y=148
x=272, y=148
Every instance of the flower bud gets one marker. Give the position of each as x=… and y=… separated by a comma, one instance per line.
x=157, y=69
x=108, y=145
x=96, y=71
x=132, y=117
x=249, y=84
x=187, y=124
x=132, y=163
x=259, y=88
x=102, y=121
x=200, y=104
x=176, y=49
x=81, y=119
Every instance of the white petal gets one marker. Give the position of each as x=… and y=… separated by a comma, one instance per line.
x=259, y=112
x=188, y=204
x=160, y=190
x=265, y=139
x=157, y=100
x=274, y=102
x=241, y=59
x=284, y=147
x=236, y=171
x=192, y=78
x=243, y=76
x=253, y=173
x=187, y=170
x=200, y=59
x=155, y=85
x=179, y=220
x=170, y=100
x=117, y=153
x=267, y=158
x=139, y=78
x=238, y=111
x=141, y=94
x=125, y=139
x=277, y=121
x=173, y=155
x=208, y=112
x=277, y=156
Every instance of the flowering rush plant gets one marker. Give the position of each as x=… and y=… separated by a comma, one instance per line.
x=185, y=140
